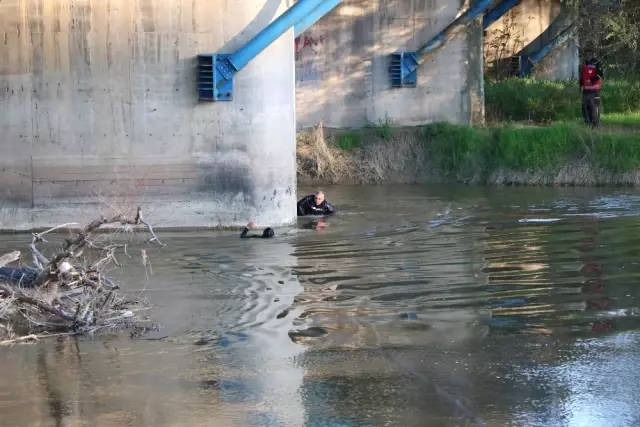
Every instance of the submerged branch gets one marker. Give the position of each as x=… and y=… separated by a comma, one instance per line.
x=38, y=259
x=9, y=258
x=31, y=338
x=140, y=220
x=19, y=296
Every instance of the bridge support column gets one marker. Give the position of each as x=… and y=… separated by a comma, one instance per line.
x=475, y=73
x=563, y=61
x=99, y=110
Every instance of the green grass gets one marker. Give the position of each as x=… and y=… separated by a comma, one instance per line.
x=628, y=120
x=504, y=144
x=554, y=136
x=457, y=149
x=532, y=148
x=616, y=151
x=464, y=150
x=349, y=141
x=467, y=150
x=352, y=139
x=383, y=129
x=550, y=101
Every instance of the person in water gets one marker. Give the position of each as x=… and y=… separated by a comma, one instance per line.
x=315, y=204
x=267, y=233
x=316, y=224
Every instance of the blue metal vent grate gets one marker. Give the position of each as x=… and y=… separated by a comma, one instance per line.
x=403, y=70
x=212, y=84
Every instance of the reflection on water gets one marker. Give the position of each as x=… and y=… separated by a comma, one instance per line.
x=415, y=306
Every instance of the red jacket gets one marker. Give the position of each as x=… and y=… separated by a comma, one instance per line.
x=590, y=76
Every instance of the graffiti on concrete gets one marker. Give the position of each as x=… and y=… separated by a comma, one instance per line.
x=302, y=42
x=309, y=61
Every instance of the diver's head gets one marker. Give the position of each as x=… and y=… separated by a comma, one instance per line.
x=319, y=197
x=268, y=232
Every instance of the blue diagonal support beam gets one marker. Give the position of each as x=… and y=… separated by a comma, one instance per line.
x=216, y=71
x=527, y=62
x=404, y=65
x=453, y=29
x=271, y=33
x=498, y=12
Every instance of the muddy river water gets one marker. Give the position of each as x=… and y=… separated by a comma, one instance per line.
x=414, y=306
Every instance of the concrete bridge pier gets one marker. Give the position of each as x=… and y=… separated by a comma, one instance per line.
x=525, y=30
x=342, y=66
x=99, y=111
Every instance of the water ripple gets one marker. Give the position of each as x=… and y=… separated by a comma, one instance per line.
x=556, y=273
x=491, y=305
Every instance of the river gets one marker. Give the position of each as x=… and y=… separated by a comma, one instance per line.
x=414, y=306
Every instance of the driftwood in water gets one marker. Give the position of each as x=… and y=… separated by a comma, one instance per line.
x=69, y=293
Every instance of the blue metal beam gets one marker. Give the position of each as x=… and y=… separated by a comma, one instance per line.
x=527, y=62
x=216, y=71
x=452, y=30
x=306, y=22
x=272, y=32
x=498, y=12
x=404, y=65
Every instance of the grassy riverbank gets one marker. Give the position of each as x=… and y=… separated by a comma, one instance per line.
x=542, y=101
x=533, y=137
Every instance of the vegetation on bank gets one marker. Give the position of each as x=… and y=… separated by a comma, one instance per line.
x=534, y=132
x=534, y=136
x=541, y=101
x=609, y=28
x=464, y=153
x=566, y=154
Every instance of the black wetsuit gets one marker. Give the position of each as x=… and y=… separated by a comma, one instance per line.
x=267, y=233
x=307, y=206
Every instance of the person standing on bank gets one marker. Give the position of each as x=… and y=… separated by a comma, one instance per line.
x=315, y=204
x=590, y=84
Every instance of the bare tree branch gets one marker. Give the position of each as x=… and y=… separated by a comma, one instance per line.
x=20, y=296
x=69, y=290
x=9, y=258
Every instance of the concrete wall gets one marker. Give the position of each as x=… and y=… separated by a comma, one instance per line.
x=530, y=26
x=563, y=61
x=518, y=28
x=94, y=91
x=341, y=66
x=561, y=64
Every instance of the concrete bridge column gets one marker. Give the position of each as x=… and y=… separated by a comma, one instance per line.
x=342, y=65
x=525, y=30
x=563, y=62
x=99, y=110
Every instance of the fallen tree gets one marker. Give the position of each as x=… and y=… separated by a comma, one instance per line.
x=70, y=293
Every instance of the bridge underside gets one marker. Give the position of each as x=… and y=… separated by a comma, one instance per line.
x=342, y=62
x=100, y=110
